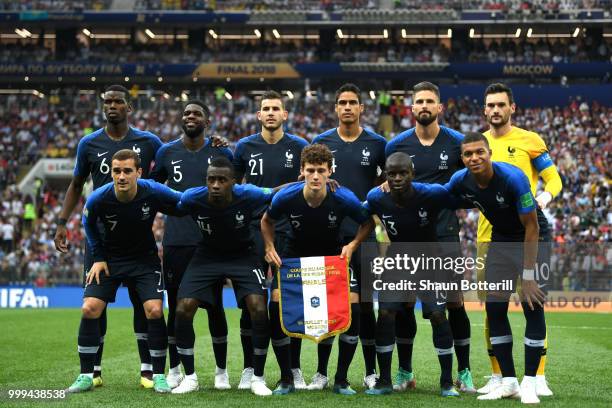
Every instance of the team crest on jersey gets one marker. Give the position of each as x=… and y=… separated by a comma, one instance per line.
x=239, y=220
x=511, y=151
x=443, y=161
x=365, y=159
x=501, y=201
x=289, y=157
x=332, y=220
x=146, y=211
x=136, y=149
x=423, y=220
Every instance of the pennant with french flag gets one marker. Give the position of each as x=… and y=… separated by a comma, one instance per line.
x=314, y=297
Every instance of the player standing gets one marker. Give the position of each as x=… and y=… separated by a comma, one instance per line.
x=358, y=161
x=315, y=215
x=409, y=213
x=94, y=154
x=183, y=164
x=266, y=159
x=223, y=211
x=502, y=193
x=528, y=152
x=436, y=154
x=125, y=253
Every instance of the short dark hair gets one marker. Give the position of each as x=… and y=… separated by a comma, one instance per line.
x=316, y=154
x=127, y=154
x=199, y=103
x=270, y=94
x=498, y=87
x=119, y=88
x=402, y=158
x=426, y=86
x=473, y=137
x=221, y=162
x=348, y=87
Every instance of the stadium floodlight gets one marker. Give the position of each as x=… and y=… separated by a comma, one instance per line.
x=529, y=32
x=26, y=78
x=576, y=32
x=228, y=95
x=257, y=33
x=339, y=32
x=150, y=33
x=93, y=79
x=372, y=95
x=86, y=32
x=160, y=79
x=127, y=79
x=472, y=32
x=449, y=33
x=213, y=34
x=166, y=95
x=289, y=94
x=518, y=33
x=23, y=33
x=276, y=34
x=386, y=33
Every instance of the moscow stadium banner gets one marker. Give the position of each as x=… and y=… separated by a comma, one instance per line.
x=314, y=297
x=346, y=70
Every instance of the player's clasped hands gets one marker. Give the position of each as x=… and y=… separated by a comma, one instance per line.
x=531, y=293
x=94, y=272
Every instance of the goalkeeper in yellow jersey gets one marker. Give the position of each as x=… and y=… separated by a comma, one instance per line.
x=527, y=151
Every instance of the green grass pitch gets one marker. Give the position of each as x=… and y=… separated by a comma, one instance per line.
x=38, y=351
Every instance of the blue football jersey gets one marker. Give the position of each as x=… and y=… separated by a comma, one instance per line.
x=96, y=149
x=182, y=169
x=127, y=234
x=225, y=231
x=316, y=231
x=507, y=196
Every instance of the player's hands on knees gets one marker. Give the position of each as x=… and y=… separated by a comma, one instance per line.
x=60, y=239
x=333, y=185
x=531, y=293
x=272, y=257
x=96, y=269
x=385, y=187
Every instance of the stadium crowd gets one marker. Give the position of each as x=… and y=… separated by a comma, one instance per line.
x=578, y=136
x=326, y=5
x=380, y=51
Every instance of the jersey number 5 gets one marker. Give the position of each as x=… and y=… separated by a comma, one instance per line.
x=178, y=176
